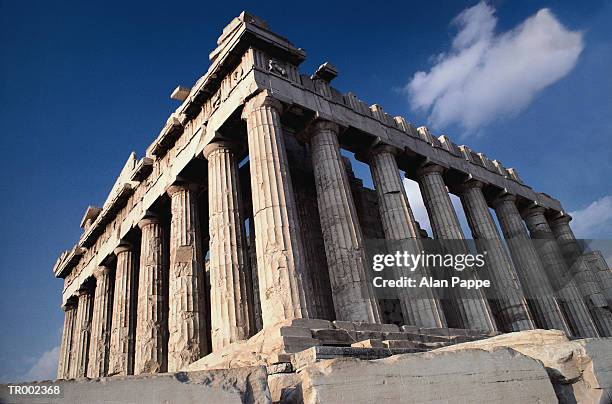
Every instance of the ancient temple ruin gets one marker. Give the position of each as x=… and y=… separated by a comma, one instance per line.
x=243, y=214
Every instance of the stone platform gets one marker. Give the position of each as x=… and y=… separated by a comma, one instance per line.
x=530, y=366
x=314, y=338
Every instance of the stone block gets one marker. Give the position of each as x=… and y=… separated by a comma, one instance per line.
x=282, y=386
x=292, y=331
x=243, y=385
x=310, y=323
x=297, y=344
x=580, y=370
x=283, y=367
x=398, y=343
x=319, y=353
x=344, y=325
x=474, y=376
x=368, y=343
x=335, y=336
x=410, y=328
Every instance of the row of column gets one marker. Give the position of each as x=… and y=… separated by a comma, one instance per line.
x=283, y=285
x=104, y=336
x=147, y=315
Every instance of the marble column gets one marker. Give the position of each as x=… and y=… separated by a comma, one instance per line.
x=539, y=293
x=575, y=310
x=467, y=309
x=99, y=346
x=151, y=351
x=399, y=225
x=63, y=367
x=284, y=284
x=186, y=321
x=505, y=294
x=586, y=280
x=230, y=278
x=83, y=332
x=123, y=325
x=353, y=295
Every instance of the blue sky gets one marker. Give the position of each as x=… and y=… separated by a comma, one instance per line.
x=83, y=84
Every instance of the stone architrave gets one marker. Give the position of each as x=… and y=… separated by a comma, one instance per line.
x=99, y=345
x=230, y=277
x=187, y=340
x=151, y=353
x=399, y=224
x=83, y=332
x=573, y=306
x=467, y=310
x=123, y=324
x=353, y=295
x=586, y=279
x=63, y=367
x=505, y=294
x=539, y=293
x=284, y=283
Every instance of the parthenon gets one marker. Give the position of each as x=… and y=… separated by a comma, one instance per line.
x=244, y=213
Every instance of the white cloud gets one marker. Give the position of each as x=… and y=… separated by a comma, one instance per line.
x=486, y=75
x=45, y=367
x=594, y=221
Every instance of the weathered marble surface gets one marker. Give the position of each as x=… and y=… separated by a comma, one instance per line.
x=235, y=386
x=580, y=370
x=230, y=276
x=500, y=376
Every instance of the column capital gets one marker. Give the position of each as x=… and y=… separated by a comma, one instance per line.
x=182, y=186
x=84, y=291
x=503, y=197
x=469, y=184
x=429, y=169
x=532, y=210
x=68, y=306
x=219, y=145
x=369, y=153
x=317, y=126
x=123, y=246
x=324, y=124
x=149, y=219
x=263, y=99
x=101, y=271
x=560, y=219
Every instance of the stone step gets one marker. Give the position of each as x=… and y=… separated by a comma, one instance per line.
x=359, y=326
x=448, y=331
x=428, y=346
x=369, y=343
x=317, y=353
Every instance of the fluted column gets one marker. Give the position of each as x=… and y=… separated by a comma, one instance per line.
x=353, y=295
x=186, y=322
x=63, y=366
x=399, y=224
x=284, y=283
x=505, y=294
x=151, y=352
x=83, y=332
x=123, y=328
x=469, y=309
x=568, y=295
x=586, y=279
x=539, y=293
x=230, y=278
x=99, y=345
